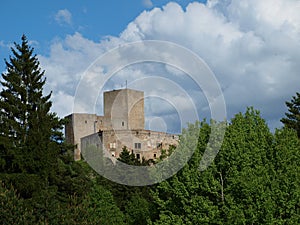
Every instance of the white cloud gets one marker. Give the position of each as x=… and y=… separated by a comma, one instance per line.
x=251, y=45
x=63, y=17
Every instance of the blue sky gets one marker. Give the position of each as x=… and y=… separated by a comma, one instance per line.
x=251, y=46
x=40, y=21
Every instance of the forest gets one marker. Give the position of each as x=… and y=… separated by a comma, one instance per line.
x=254, y=178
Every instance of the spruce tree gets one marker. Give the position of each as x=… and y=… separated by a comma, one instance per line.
x=29, y=133
x=33, y=159
x=292, y=119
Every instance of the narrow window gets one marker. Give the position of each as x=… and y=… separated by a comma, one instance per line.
x=154, y=155
x=138, y=156
x=137, y=145
x=112, y=145
x=123, y=123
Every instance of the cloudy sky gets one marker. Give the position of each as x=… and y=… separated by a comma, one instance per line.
x=250, y=48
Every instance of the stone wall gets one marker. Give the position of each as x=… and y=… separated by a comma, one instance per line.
x=124, y=109
x=136, y=114
x=80, y=125
x=122, y=125
x=143, y=143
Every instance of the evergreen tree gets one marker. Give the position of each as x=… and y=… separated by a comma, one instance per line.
x=128, y=158
x=13, y=209
x=292, y=119
x=34, y=160
x=123, y=193
x=30, y=134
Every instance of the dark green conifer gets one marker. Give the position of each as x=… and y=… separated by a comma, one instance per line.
x=29, y=133
x=292, y=119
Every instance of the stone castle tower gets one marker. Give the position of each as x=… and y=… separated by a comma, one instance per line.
x=124, y=109
x=123, y=124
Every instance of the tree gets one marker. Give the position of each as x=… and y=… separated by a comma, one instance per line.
x=123, y=193
x=244, y=164
x=292, y=119
x=128, y=158
x=30, y=135
x=13, y=209
x=190, y=196
x=34, y=160
x=233, y=189
x=286, y=176
x=101, y=208
x=138, y=210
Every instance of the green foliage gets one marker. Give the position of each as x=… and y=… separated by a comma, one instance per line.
x=13, y=209
x=137, y=210
x=127, y=157
x=253, y=180
x=292, y=119
x=26, y=184
x=35, y=162
x=30, y=133
x=244, y=165
x=167, y=218
x=101, y=208
x=286, y=176
x=187, y=197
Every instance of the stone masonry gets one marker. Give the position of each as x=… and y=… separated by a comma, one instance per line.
x=122, y=125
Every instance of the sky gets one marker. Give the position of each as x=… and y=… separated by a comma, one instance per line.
x=250, y=46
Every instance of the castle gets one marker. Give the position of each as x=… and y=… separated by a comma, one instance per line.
x=123, y=124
